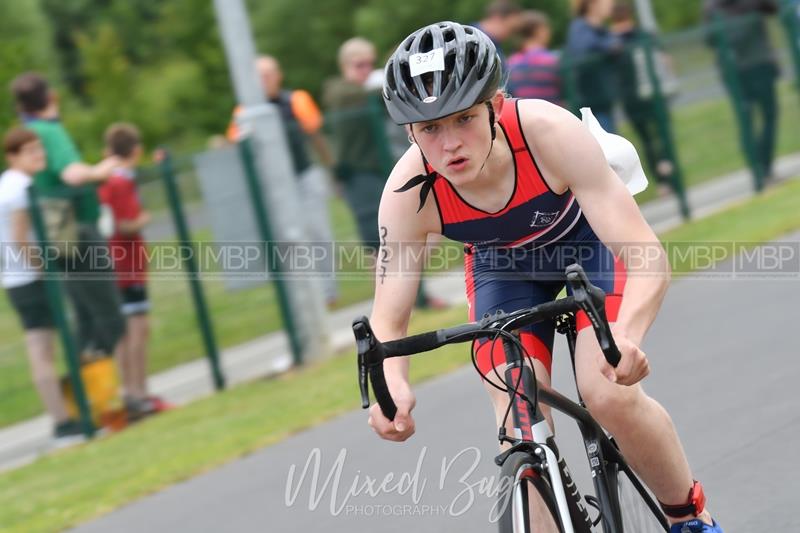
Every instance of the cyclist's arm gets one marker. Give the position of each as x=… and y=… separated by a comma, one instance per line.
x=403, y=232
x=571, y=158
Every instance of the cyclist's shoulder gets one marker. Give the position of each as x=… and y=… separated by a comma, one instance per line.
x=540, y=118
x=551, y=132
x=404, y=206
x=409, y=165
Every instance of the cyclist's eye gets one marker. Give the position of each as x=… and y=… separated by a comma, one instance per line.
x=430, y=128
x=463, y=119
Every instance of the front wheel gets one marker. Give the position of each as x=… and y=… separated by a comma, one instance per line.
x=526, y=503
x=636, y=507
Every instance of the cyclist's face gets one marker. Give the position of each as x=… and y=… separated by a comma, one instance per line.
x=456, y=146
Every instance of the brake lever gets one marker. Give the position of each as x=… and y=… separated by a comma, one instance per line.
x=591, y=300
x=365, y=341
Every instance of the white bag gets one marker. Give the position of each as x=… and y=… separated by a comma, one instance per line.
x=620, y=154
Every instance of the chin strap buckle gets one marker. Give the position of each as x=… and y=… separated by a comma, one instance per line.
x=695, y=505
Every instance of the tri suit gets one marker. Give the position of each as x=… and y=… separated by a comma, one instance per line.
x=516, y=257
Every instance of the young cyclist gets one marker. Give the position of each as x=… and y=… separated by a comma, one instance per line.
x=527, y=189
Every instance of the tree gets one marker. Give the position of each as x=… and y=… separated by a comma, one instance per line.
x=25, y=44
x=677, y=14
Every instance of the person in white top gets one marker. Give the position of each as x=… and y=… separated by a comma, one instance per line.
x=21, y=276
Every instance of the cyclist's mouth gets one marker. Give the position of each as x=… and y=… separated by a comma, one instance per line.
x=458, y=164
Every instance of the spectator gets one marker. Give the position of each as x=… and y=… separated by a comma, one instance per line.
x=755, y=68
x=302, y=123
x=501, y=20
x=592, y=51
x=359, y=166
x=533, y=71
x=639, y=105
x=358, y=124
x=95, y=298
x=22, y=280
x=127, y=246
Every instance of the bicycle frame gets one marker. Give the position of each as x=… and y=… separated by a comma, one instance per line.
x=532, y=433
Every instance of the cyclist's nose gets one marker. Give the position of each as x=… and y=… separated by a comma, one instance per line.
x=451, y=141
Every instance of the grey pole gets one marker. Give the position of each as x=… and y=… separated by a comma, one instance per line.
x=647, y=17
x=262, y=123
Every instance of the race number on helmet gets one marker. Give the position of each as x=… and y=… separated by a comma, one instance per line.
x=439, y=70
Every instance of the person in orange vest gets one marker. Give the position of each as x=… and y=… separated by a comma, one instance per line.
x=302, y=121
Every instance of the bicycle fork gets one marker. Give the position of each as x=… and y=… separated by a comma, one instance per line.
x=532, y=431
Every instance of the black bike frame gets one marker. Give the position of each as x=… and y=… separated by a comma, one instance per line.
x=605, y=460
x=603, y=455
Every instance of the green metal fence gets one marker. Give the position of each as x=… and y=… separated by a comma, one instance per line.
x=707, y=107
x=199, y=315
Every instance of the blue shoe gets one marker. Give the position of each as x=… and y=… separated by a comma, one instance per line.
x=695, y=526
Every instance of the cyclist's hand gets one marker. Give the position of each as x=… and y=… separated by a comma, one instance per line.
x=403, y=426
x=633, y=366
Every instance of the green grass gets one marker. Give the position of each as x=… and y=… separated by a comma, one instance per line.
x=238, y=316
x=707, y=143
x=768, y=216
x=76, y=485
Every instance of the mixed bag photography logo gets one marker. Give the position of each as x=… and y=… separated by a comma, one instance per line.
x=446, y=486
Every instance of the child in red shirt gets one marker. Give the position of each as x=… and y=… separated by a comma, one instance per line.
x=120, y=194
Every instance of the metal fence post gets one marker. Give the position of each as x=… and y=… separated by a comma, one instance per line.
x=790, y=15
x=262, y=221
x=53, y=288
x=190, y=265
x=665, y=125
x=731, y=77
x=569, y=84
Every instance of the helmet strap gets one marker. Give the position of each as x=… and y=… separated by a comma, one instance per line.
x=494, y=133
x=491, y=119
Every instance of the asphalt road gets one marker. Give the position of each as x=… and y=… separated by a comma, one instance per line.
x=725, y=366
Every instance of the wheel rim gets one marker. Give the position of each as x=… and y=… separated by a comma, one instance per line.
x=520, y=499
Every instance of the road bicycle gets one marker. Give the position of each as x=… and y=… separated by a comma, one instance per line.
x=539, y=488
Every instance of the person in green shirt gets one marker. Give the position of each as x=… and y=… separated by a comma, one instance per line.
x=357, y=121
x=639, y=103
x=755, y=69
x=96, y=300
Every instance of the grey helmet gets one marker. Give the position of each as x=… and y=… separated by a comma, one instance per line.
x=439, y=70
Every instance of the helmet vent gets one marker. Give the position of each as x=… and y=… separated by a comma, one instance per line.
x=390, y=79
x=471, y=56
x=426, y=43
x=449, y=68
x=407, y=81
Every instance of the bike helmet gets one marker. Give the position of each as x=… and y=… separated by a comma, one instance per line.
x=439, y=70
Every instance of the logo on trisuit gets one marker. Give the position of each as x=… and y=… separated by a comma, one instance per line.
x=543, y=219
